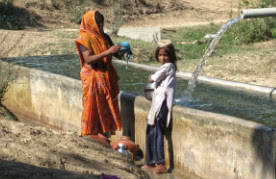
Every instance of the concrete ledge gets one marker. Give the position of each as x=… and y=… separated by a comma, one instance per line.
x=207, y=144
x=147, y=34
x=214, y=145
x=46, y=97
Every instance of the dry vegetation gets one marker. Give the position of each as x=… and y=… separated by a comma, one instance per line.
x=52, y=25
x=29, y=150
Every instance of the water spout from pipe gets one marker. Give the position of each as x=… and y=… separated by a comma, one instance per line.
x=187, y=96
x=245, y=14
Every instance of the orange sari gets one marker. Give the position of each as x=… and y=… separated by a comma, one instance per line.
x=99, y=86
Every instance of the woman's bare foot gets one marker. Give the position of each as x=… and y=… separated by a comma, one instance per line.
x=101, y=139
x=148, y=167
x=159, y=169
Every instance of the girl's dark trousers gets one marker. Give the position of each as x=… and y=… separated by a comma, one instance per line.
x=155, y=138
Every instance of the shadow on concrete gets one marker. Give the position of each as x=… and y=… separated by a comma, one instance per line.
x=6, y=112
x=264, y=143
x=168, y=135
x=271, y=93
x=12, y=169
x=127, y=109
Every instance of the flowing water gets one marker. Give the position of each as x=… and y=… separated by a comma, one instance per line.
x=187, y=95
x=205, y=97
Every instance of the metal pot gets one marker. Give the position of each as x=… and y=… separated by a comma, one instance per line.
x=123, y=149
x=148, y=90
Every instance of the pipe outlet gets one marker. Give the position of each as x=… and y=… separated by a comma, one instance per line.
x=255, y=13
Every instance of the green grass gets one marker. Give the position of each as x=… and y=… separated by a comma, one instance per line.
x=6, y=78
x=190, y=44
x=66, y=43
x=142, y=51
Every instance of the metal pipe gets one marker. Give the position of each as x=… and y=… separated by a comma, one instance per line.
x=254, y=13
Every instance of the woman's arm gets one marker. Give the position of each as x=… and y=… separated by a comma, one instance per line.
x=90, y=58
x=118, y=54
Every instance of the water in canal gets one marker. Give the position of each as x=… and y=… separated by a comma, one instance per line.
x=205, y=97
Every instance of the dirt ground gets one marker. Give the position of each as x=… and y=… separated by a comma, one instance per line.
x=34, y=151
x=190, y=13
x=29, y=150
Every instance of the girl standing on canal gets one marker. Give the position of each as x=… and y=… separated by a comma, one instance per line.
x=159, y=118
x=99, y=79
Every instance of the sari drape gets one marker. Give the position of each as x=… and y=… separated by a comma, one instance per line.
x=99, y=85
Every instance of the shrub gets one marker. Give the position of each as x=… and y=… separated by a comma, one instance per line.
x=253, y=30
x=8, y=21
x=6, y=78
x=56, y=4
x=15, y=18
x=250, y=31
x=116, y=17
x=77, y=8
x=273, y=31
x=76, y=14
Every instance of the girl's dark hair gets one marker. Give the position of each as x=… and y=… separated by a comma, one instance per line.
x=99, y=17
x=171, y=52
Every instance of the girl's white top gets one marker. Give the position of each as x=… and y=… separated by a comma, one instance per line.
x=165, y=85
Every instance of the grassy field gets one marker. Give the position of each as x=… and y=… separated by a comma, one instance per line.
x=189, y=42
x=250, y=63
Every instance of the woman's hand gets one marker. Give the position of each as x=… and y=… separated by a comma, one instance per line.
x=113, y=49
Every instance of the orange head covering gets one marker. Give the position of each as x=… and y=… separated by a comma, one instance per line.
x=90, y=36
x=93, y=39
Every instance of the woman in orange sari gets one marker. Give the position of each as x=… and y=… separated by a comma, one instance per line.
x=99, y=79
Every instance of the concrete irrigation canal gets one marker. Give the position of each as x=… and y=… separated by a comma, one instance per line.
x=233, y=136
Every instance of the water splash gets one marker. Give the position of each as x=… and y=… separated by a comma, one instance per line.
x=187, y=96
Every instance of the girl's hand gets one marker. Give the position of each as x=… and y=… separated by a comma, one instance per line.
x=113, y=49
x=149, y=79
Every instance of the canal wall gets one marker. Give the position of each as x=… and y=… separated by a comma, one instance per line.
x=207, y=144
